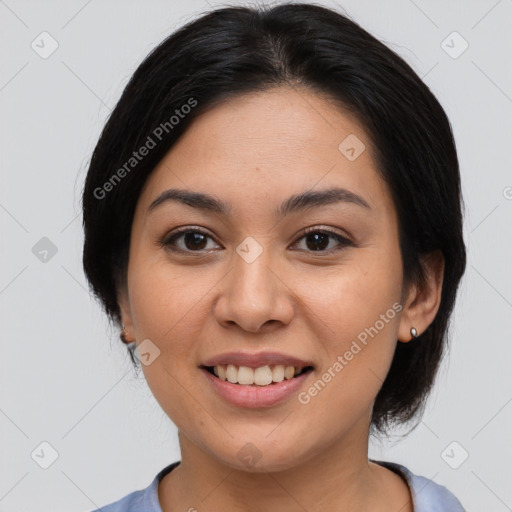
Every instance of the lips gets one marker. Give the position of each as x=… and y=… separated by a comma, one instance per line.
x=256, y=360
x=262, y=392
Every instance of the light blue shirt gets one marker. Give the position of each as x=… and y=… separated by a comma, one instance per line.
x=427, y=496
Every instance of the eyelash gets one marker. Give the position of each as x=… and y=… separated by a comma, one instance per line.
x=168, y=241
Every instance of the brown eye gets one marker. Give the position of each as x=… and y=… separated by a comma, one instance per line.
x=318, y=240
x=192, y=240
x=195, y=240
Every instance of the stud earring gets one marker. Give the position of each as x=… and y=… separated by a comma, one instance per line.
x=414, y=332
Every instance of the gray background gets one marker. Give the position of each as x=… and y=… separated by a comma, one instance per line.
x=66, y=379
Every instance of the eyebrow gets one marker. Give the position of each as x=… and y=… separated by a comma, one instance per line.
x=295, y=203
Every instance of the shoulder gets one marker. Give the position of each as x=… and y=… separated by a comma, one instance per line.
x=427, y=495
x=143, y=500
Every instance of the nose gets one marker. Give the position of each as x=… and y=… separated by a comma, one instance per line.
x=254, y=296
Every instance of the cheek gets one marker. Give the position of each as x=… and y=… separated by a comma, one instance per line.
x=169, y=306
x=348, y=298
x=166, y=306
x=165, y=298
x=358, y=318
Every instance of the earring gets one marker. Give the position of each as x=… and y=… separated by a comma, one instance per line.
x=414, y=332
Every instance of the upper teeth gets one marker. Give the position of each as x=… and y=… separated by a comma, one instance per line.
x=261, y=376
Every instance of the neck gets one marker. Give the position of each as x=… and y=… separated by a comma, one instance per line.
x=338, y=474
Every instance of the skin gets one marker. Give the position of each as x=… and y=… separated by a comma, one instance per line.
x=254, y=152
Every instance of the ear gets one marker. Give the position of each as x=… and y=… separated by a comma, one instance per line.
x=423, y=299
x=123, y=300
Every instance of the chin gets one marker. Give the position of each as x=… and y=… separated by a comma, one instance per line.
x=263, y=456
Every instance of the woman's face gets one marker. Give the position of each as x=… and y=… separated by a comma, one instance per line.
x=253, y=282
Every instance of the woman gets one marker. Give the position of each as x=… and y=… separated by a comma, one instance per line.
x=273, y=217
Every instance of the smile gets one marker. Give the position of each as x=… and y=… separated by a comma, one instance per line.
x=261, y=376
x=263, y=392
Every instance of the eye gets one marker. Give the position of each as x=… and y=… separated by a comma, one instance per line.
x=193, y=240
x=317, y=240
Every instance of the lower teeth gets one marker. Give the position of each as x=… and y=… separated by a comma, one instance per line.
x=255, y=385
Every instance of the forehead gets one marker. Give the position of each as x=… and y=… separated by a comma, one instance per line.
x=264, y=146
